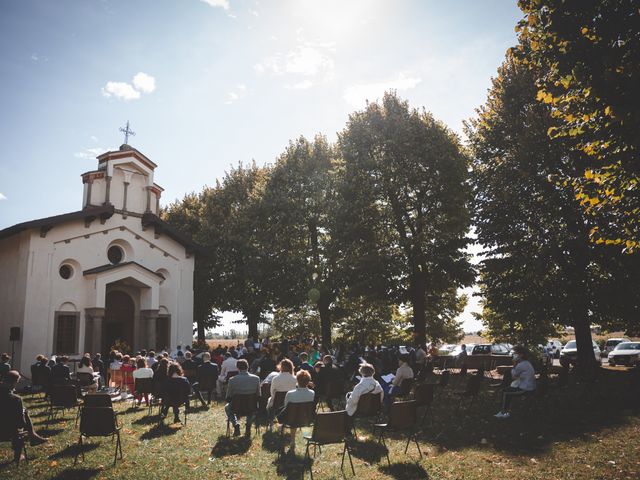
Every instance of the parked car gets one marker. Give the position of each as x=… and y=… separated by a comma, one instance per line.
x=554, y=347
x=488, y=349
x=611, y=343
x=446, y=349
x=625, y=353
x=569, y=353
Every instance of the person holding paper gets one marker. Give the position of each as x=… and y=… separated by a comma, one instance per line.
x=404, y=372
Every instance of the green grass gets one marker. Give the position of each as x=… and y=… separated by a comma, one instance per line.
x=575, y=432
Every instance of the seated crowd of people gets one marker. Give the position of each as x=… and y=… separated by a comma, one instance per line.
x=301, y=371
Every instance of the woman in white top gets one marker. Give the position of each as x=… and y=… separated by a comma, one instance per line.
x=142, y=371
x=367, y=384
x=524, y=380
x=283, y=382
x=85, y=367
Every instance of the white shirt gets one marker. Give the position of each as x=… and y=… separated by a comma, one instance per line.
x=403, y=372
x=525, y=374
x=269, y=378
x=143, y=373
x=366, y=385
x=283, y=382
x=229, y=365
x=151, y=361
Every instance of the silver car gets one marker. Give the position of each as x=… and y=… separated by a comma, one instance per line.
x=569, y=353
x=625, y=353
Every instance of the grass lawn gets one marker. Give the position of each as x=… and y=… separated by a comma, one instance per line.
x=582, y=431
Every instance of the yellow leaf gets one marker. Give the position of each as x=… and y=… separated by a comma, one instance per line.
x=584, y=30
x=607, y=111
x=588, y=174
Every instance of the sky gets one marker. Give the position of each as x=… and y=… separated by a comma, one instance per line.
x=206, y=84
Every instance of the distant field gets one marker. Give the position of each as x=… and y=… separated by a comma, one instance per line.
x=225, y=343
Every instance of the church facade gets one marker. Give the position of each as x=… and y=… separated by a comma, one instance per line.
x=110, y=273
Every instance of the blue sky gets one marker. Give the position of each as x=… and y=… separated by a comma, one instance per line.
x=208, y=83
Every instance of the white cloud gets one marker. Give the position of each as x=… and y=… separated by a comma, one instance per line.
x=311, y=61
x=217, y=3
x=141, y=83
x=357, y=95
x=253, y=12
x=90, y=153
x=239, y=92
x=93, y=138
x=120, y=90
x=2, y=196
x=144, y=83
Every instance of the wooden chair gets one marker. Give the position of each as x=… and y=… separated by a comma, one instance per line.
x=369, y=405
x=98, y=422
x=61, y=398
x=328, y=428
x=423, y=395
x=296, y=415
x=243, y=405
x=402, y=416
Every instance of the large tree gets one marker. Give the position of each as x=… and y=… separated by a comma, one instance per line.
x=405, y=206
x=588, y=55
x=540, y=271
x=232, y=220
x=298, y=215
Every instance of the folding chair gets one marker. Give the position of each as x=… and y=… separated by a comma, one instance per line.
x=423, y=395
x=278, y=404
x=172, y=400
x=244, y=405
x=296, y=415
x=334, y=392
x=142, y=386
x=61, y=398
x=7, y=436
x=328, y=428
x=206, y=383
x=40, y=379
x=369, y=405
x=402, y=416
x=86, y=381
x=98, y=422
x=92, y=400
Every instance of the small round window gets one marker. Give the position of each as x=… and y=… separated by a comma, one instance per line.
x=115, y=254
x=66, y=271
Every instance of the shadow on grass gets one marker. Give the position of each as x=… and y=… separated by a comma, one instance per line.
x=271, y=441
x=50, y=432
x=293, y=467
x=405, y=471
x=77, y=474
x=226, y=446
x=72, y=450
x=198, y=409
x=159, y=430
x=368, y=450
x=54, y=420
x=147, y=420
x=564, y=413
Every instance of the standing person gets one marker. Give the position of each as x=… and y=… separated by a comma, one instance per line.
x=461, y=359
x=523, y=380
x=15, y=417
x=241, y=384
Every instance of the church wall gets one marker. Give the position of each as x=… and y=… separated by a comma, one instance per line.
x=14, y=257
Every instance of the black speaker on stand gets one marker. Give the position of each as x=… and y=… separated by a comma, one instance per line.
x=14, y=336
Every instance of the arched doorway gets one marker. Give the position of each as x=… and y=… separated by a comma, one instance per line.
x=118, y=319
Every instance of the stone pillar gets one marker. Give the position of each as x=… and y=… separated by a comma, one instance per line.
x=89, y=185
x=150, y=339
x=107, y=197
x=93, y=335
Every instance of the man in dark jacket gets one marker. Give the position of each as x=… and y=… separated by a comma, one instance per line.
x=207, y=376
x=16, y=424
x=60, y=372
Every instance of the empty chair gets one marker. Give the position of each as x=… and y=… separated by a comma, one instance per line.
x=97, y=400
x=423, y=395
x=328, y=428
x=61, y=398
x=99, y=422
x=402, y=416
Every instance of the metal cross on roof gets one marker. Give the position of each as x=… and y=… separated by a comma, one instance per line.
x=127, y=131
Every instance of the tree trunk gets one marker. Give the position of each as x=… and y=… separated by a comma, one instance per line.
x=584, y=342
x=418, y=302
x=325, y=321
x=252, y=323
x=200, y=326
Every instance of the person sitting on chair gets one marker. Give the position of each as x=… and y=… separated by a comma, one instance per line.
x=176, y=388
x=15, y=419
x=367, y=384
x=206, y=373
x=229, y=365
x=404, y=372
x=301, y=394
x=60, y=373
x=304, y=363
x=283, y=382
x=241, y=384
x=523, y=380
x=141, y=371
x=85, y=367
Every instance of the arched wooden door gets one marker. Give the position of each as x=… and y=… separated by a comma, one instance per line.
x=118, y=320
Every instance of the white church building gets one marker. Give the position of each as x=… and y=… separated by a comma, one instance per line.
x=110, y=272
